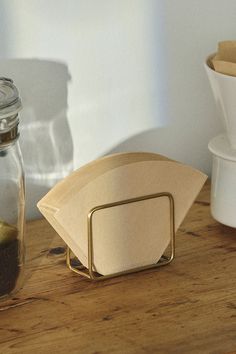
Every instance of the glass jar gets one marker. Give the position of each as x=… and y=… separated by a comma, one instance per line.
x=12, y=195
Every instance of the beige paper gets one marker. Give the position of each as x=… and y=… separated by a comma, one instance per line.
x=227, y=51
x=129, y=235
x=224, y=61
x=224, y=67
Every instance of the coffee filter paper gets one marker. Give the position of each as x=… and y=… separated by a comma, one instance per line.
x=224, y=60
x=129, y=235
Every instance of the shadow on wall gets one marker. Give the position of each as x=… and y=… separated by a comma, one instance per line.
x=45, y=139
x=171, y=141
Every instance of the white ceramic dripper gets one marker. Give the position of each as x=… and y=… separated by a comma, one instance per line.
x=223, y=181
x=224, y=90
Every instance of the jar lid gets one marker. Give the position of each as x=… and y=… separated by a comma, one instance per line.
x=220, y=146
x=10, y=104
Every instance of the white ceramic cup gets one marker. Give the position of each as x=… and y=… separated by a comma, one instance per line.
x=223, y=182
x=224, y=90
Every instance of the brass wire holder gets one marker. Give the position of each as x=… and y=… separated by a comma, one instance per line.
x=90, y=273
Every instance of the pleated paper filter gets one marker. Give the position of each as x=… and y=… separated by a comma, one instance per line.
x=129, y=235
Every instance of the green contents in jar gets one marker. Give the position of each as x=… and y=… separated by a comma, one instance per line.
x=9, y=257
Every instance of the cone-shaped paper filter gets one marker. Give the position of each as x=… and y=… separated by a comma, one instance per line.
x=129, y=235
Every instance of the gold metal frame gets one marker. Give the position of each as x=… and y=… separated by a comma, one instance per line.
x=90, y=273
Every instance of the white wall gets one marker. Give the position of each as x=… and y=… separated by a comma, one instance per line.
x=136, y=74
x=106, y=46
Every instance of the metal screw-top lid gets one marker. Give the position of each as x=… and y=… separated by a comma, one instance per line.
x=10, y=104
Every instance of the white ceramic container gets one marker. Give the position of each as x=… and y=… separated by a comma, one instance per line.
x=223, y=188
x=224, y=90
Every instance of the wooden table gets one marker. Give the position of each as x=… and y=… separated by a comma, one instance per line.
x=186, y=307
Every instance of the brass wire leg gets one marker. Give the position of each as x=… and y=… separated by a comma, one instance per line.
x=90, y=273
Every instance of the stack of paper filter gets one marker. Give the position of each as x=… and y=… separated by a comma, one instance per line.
x=125, y=236
x=224, y=61
x=221, y=71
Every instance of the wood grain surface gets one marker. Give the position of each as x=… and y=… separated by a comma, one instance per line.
x=186, y=307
